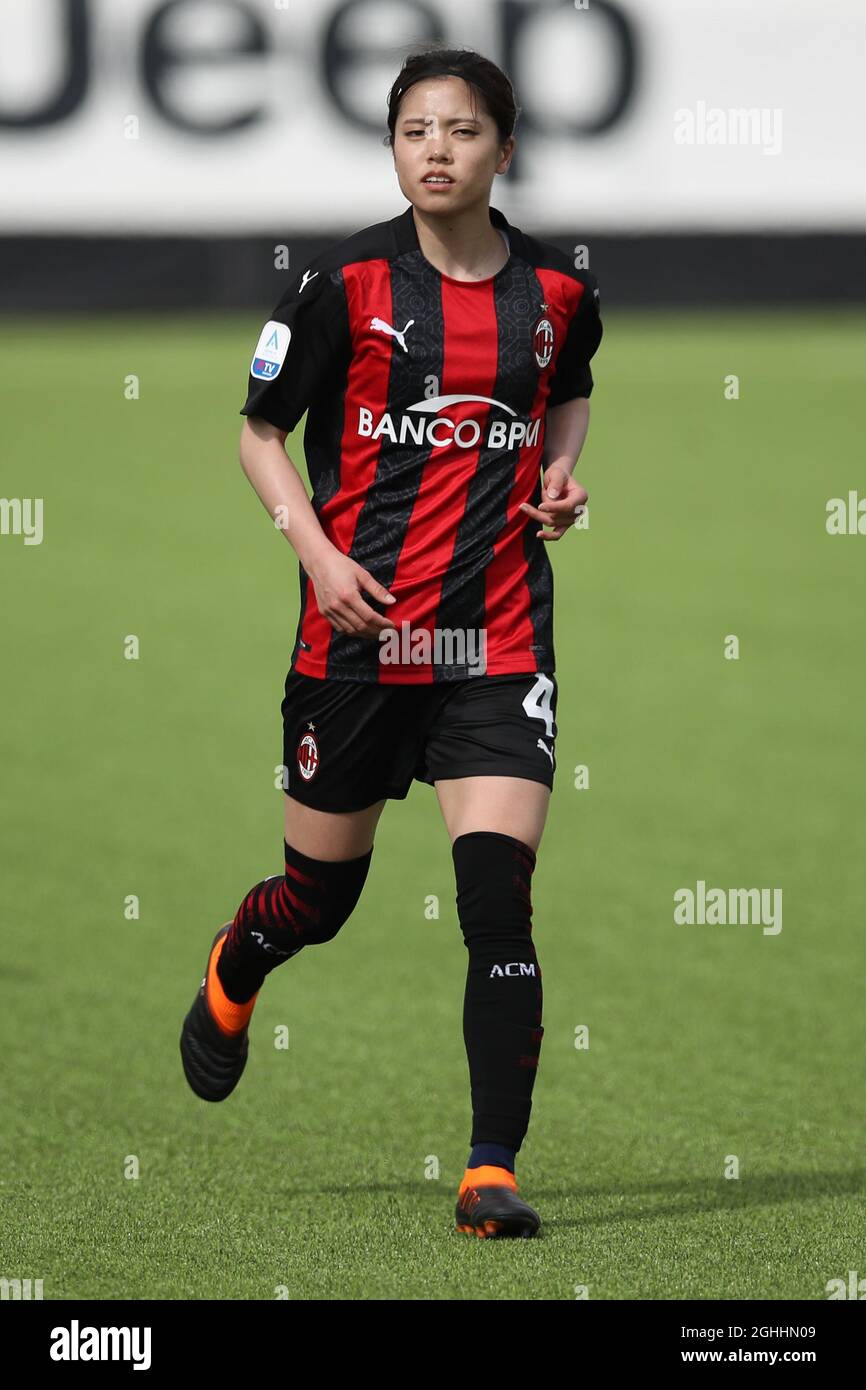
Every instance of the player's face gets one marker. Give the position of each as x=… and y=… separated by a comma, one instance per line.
x=440, y=129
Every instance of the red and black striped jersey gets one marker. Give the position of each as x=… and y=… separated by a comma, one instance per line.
x=426, y=400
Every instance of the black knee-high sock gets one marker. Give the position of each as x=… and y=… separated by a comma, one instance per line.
x=503, y=1000
x=286, y=912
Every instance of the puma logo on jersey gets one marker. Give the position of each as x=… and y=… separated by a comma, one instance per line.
x=542, y=744
x=384, y=327
x=307, y=278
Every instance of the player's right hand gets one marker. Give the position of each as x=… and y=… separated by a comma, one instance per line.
x=339, y=582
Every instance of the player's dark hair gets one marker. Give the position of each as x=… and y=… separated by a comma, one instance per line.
x=485, y=79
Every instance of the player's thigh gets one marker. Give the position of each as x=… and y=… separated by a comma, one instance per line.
x=513, y=806
x=330, y=835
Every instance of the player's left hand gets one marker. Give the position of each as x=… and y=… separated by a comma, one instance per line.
x=561, y=497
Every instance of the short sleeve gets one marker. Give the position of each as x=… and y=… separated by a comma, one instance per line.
x=304, y=344
x=573, y=376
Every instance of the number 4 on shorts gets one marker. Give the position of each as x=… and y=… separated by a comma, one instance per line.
x=537, y=702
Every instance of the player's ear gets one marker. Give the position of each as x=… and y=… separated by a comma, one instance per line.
x=507, y=155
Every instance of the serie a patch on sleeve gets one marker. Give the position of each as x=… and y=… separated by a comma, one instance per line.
x=271, y=349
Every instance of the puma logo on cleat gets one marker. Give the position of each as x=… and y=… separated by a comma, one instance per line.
x=384, y=327
x=542, y=744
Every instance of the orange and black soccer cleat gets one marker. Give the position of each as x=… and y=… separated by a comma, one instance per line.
x=488, y=1205
x=214, y=1058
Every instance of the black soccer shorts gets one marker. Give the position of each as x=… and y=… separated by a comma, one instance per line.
x=348, y=744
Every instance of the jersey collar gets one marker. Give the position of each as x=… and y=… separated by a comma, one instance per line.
x=406, y=233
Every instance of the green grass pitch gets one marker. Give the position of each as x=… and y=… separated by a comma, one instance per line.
x=332, y=1171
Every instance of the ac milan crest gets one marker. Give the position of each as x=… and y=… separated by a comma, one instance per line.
x=308, y=755
x=543, y=339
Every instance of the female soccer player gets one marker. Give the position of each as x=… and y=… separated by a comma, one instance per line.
x=443, y=360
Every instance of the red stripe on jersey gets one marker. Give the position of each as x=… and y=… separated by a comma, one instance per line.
x=563, y=296
x=507, y=596
x=469, y=352
x=368, y=382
